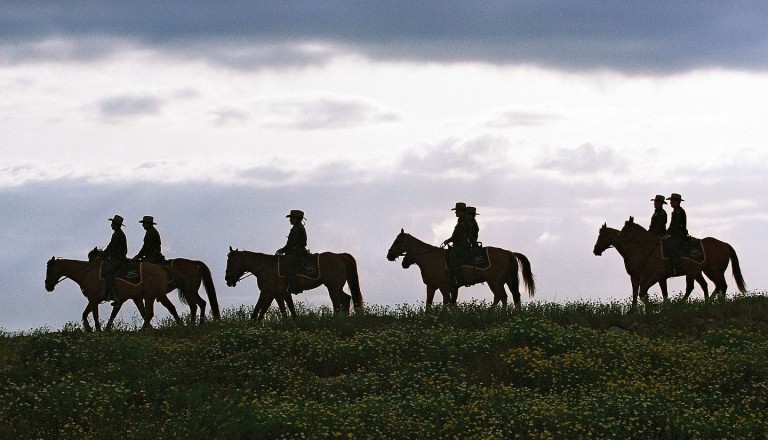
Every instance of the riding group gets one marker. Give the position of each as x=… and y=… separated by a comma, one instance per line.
x=651, y=256
x=109, y=275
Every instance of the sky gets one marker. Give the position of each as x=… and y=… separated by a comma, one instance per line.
x=218, y=118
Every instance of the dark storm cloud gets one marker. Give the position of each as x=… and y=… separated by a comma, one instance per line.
x=629, y=36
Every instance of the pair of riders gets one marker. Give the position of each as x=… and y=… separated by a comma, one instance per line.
x=462, y=241
x=674, y=236
x=116, y=252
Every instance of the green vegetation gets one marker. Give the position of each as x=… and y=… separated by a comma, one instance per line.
x=577, y=370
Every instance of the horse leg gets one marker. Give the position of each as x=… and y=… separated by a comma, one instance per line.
x=720, y=284
x=95, y=313
x=643, y=294
x=281, y=305
x=704, y=287
x=431, y=295
x=514, y=287
x=500, y=295
x=291, y=307
x=635, y=288
x=171, y=308
x=341, y=300
x=86, y=325
x=688, y=286
x=448, y=298
x=115, y=308
x=663, y=287
x=262, y=305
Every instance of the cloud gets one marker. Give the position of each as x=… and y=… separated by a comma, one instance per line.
x=585, y=159
x=326, y=113
x=630, y=37
x=457, y=158
x=127, y=106
x=514, y=118
x=230, y=116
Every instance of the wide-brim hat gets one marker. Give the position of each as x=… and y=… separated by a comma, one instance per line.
x=675, y=196
x=296, y=213
x=659, y=198
x=117, y=219
x=472, y=210
x=460, y=206
x=148, y=219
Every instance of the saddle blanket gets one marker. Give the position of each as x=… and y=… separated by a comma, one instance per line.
x=309, y=268
x=691, y=250
x=130, y=271
x=476, y=257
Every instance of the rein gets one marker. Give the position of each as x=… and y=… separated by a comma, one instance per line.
x=247, y=274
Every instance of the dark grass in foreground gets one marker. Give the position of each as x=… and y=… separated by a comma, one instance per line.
x=576, y=370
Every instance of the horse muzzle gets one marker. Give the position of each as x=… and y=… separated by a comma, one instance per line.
x=392, y=255
x=49, y=286
x=597, y=251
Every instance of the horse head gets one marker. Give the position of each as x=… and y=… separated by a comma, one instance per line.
x=605, y=240
x=235, y=267
x=631, y=232
x=398, y=247
x=52, y=275
x=95, y=254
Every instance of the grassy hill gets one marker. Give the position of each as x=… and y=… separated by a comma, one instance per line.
x=577, y=370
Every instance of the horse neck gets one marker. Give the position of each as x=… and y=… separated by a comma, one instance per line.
x=637, y=249
x=254, y=261
x=416, y=246
x=423, y=254
x=75, y=270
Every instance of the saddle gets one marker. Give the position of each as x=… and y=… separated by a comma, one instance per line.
x=129, y=271
x=690, y=249
x=309, y=267
x=476, y=257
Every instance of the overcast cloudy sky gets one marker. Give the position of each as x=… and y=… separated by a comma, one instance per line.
x=218, y=117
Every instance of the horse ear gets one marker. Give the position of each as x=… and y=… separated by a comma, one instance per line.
x=402, y=231
x=605, y=225
x=52, y=258
x=230, y=248
x=631, y=219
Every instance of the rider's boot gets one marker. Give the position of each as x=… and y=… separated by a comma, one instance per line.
x=109, y=288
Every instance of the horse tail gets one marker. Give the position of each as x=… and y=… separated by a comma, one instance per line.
x=210, y=289
x=353, y=280
x=525, y=266
x=736, y=270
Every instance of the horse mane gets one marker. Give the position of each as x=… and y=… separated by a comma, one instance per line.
x=420, y=241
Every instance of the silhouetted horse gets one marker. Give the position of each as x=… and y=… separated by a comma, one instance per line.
x=187, y=276
x=607, y=239
x=335, y=270
x=645, y=254
x=431, y=260
x=151, y=287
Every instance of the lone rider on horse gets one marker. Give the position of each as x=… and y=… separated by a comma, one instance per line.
x=115, y=254
x=295, y=250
